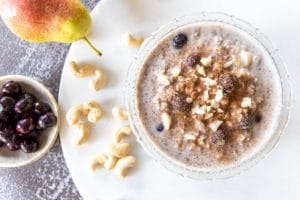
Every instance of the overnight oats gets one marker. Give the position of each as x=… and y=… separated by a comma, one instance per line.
x=208, y=95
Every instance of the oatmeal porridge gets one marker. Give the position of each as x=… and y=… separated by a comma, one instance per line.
x=208, y=94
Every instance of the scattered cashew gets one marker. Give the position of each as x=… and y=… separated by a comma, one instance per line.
x=120, y=150
x=119, y=113
x=81, y=72
x=98, y=160
x=74, y=113
x=121, y=132
x=84, y=132
x=94, y=111
x=134, y=42
x=99, y=82
x=111, y=162
x=123, y=164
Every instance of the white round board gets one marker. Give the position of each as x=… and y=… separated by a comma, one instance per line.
x=276, y=177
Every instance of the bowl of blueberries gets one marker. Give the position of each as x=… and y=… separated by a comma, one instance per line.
x=29, y=120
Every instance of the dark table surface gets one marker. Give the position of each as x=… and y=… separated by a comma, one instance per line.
x=49, y=177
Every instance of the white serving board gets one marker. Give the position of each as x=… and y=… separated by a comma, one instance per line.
x=276, y=177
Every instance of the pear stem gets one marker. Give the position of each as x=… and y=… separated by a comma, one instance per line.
x=98, y=53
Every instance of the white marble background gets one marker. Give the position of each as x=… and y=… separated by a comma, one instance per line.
x=49, y=177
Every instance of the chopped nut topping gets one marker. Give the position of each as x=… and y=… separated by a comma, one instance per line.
x=228, y=64
x=200, y=70
x=205, y=95
x=189, y=137
x=175, y=71
x=246, y=58
x=237, y=62
x=201, y=126
x=163, y=80
x=206, y=61
x=219, y=110
x=246, y=102
x=219, y=95
x=166, y=120
x=199, y=110
x=208, y=108
x=214, y=103
x=189, y=99
x=209, y=81
x=215, y=125
x=208, y=116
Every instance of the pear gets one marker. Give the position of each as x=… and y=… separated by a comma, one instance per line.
x=63, y=21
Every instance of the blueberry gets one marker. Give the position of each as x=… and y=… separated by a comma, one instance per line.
x=28, y=95
x=29, y=145
x=218, y=138
x=7, y=103
x=14, y=143
x=24, y=105
x=34, y=134
x=180, y=103
x=4, y=117
x=192, y=60
x=24, y=126
x=2, y=144
x=47, y=120
x=159, y=127
x=2, y=125
x=11, y=88
x=41, y=108
x=6, y=135
x=179, y=40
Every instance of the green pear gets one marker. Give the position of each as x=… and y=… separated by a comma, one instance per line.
x=63, y=21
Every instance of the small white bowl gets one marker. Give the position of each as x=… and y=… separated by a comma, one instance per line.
x=47, y=137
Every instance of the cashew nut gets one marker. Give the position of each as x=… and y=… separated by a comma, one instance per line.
x=123, y=164
x=121, y=132
x=120, y=150
x=94, y=111
x=84, y=132
x=134, y=42
x=99, y=82
x=119, y=113
x=111, y=162
x=74, y=113
x=81, y=72
x=98, y=160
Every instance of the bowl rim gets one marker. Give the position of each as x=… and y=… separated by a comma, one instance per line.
x=40, y=153
x=130, y=97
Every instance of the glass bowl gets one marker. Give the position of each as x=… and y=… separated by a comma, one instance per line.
x=144, y=139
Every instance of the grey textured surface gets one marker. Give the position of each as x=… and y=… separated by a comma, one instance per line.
x=49, y=177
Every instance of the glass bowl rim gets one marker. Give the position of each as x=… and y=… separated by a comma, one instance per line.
x=132, y=77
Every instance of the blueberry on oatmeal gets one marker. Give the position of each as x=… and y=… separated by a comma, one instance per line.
x=179, y=40
x=192, y=60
